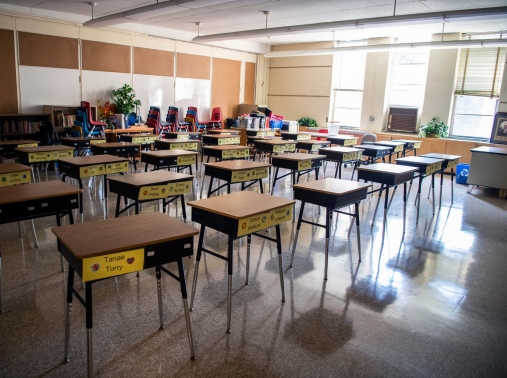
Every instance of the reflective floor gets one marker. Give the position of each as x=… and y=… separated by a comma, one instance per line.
x=431, y=305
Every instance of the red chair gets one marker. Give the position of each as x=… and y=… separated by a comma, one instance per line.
x=93, y=124
x=172, y=118
x=216, y=120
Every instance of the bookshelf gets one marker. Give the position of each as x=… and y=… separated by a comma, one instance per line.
x=64, y=116
x=20, y=126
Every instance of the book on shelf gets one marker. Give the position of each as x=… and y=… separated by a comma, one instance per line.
x=63, y=119
x=19, y=127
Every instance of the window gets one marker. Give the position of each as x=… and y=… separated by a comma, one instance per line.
x=408, y=80
x=348, y=81
x=473, y=116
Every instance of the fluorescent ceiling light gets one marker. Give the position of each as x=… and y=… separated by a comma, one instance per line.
x=465, y=44
x=412, y=19
x=170, y=6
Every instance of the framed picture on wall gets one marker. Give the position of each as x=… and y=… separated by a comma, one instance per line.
x=499, y=133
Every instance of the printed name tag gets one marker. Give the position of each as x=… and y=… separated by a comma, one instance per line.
x=452, y=163
x=417, y=144
x=117, y=167
x=95, y=268
x=433, y=168
x=278, y=148
x=305, y=164
x=303, y=137
x=97, y=141
x=179, y=188
x=240, y=153
x=398, y=148
x=280, y=215
x=184, y=146
x=185, y=160
x=252, y=224
x=28, y=145
x=290, y=147
x=40, y=156
x=182, y=136
x=14, y=178
x=92, y=170
x=348, y=156
x=153, y=192
x=350, y=142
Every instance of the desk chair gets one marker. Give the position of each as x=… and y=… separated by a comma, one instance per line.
x=93, y=124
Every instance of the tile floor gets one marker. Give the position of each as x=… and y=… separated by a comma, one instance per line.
x=434, y=305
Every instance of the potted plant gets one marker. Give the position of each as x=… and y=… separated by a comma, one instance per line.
x=308, y=122
x=125, y=100
x=434, y=129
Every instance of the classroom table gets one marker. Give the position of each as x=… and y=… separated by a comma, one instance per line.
x=410, y=145
x=222, y=131
x=374, y=153
x=219, y=140
x=311, y=145
x=397, y=147
x=181, y=135
x=123, y=149
x=90, y=166
x=296, y=162
x=332, y=194
x=151, y=186
x=342, y=155
x=250, y=140
x=178, y=144
x=450, y=161
x=260, y=133
x=388, y=175
x=43, y=154
x=426, y=167
x=142, y=139
x=294, y=136
x=487, y=168
x=342, y=140
x=43, y=199
x=14, y=174
x=226, y=152
x=235, y=171
x=81, y=144
x=273, y=146
x=179, y=159
x=120, y=246
x=8, y=147
x=236, y=215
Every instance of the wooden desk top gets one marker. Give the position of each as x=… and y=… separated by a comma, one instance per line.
x=235, y=165
x=241, y=204
x=115, y=144
x=333, y=186
x=226, y=147
x=313, y=141
x=444, y=156
x=169, y=153
x=344, y=150
x=14, y=167
x=338, y=137
x=92, y=160
x=418, y=160
x=9, y=142
x=174, y=141
x=387, y=168
x=224, y=131
x=150, y=178
x=373, y=147
x=256, y=137
x=133, y=129
x=39, y=190
x=297, y=156
x=182, y=133
x=76, y=139
x=490, y=150
x=275, y=141
x=121, y=234
x=44, y=148
x=388, y=143
x=141, y=136
x=218, y=136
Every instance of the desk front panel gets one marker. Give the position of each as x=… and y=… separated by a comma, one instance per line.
x=92, y=170
x=385, y=178
x=423, y=168
x=221, y=140
x=340, y=156
x=342, y=141
x=139, y=139
x=239, y=153
x=260, y=133
x=15, y=178
x=83, y=143
x=376, y=153
x=297, y=165
x=295, y=136
x=46, y=156
x=177, y=145
x=312, y=147
x=235, y=176
x=157, y=190
x=121, y=151
x=327, y=200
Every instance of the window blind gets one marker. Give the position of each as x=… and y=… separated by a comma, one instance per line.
x=480, y=72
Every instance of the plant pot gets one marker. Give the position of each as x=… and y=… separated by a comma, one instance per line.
x=432, y=136
x=121, y=120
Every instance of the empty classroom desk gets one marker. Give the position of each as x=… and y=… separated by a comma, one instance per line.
x=387, y=175
x=294, y=136
x=120, y=246
x=151, y=186
x=43, y=154
x=342, y=155
x=260, y=133
x=81, y=144
x=374, y=153
x=235, y=171
x=179, y=159
x=43, y=199
x=181, y=135
x=8, y=147
x=237, y=215
x=14, y=174
x=220, y=139
x=450, y=161
x=397, y=147
x=123, y=149
x=273, y=146
x=222, y=131
x=226, y=152
x=90, y=166
x=296, y=162
x=142, y=139
x=177, y=144
x=311, y=145
x=410, y=145
x=341, y=140
x=425, y=167
x=332, y=194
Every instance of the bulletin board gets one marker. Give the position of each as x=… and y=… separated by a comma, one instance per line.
x=9, y=92
x=153, y=62
x=48, y=51
x=226, y=86
x=193, y=66
x=249, y=83
x=107, y=57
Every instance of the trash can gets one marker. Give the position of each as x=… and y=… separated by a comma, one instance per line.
x=462, y=173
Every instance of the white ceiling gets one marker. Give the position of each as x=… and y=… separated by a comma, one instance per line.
x=224, y=16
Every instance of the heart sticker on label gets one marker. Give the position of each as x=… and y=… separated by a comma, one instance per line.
x=130, y=260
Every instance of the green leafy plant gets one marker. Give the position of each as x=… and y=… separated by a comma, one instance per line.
x=125, y=99
x=434, y=129
x=308, y=122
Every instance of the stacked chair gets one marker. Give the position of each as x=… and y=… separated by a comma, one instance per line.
x=173, y=119
x=153, y=120
x=89, y=128
x=215, y=122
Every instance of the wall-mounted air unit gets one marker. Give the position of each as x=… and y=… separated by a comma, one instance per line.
x=402, y=119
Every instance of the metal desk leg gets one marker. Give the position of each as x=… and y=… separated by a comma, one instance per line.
x=118, y=200
x=297, y=232
x=329, y=214
x=210, y=186
x=230, y=254
x=280, y=266
x=1, y=297
x=418, y=198
x=183, y=210
x=433, y=196
x=197, y=261
x=89, y=326
x=358, y=231
x=376, y=207
x=183, y=286
x=386, y=208
x=34, y=234
x=70, y=286
x=404, y=206
x=274, y=180
x=137, y=206
x=248, y=241
x=260, y=186
x=159, y=294
x=452, y=186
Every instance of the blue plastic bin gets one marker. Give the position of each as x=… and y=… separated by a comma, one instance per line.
x=275, y=123
x=462, y=173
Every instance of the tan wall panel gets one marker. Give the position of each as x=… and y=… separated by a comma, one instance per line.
x=383, y=137
x=153, y=62
x=225, y=86
x=249, y=83
x=462, y=148
x=107, y=57
x=432, y=145
x=192, y=66
x=48, y=51
x=9, y=92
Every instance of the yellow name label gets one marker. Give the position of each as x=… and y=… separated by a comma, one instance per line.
x=15, y=178
x=281, y=215
x=265, y=133
x=34, y=157
x=417, y=145
x=290, y=147
x=144, y=140
x=303, y=137
x=262, y=221
x=452, y=163
x=430, y=169
x=117, y=167
x=92, y=170
x=179, y=188
x=240, y=153
x=99, y=267
x=348, y=156
x=185, y=160
x=304, y=164
x=316, y=147
x=398, y=148
x=249, y=174
x=97, y=141
x=279, y=148
x=28, y=145
x=350, y=142
x=184, y=146
x=153, y=192
x=182, y=136
x=230, y=140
